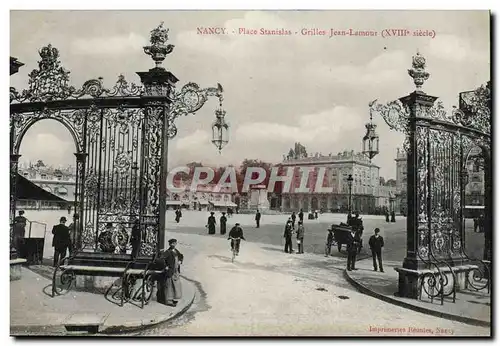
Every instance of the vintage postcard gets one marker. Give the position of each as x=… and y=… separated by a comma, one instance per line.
x=250, y=173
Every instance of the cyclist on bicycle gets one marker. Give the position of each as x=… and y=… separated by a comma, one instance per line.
x=236, y=234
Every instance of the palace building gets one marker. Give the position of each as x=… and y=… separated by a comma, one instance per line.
x=367, y=194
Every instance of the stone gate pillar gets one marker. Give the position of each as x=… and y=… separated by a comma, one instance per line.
x=159, y=87
x=417, y=103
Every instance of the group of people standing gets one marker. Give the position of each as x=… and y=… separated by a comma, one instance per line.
x=393, y=216
x=290, y=230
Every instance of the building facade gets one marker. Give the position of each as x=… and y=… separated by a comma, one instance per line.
x=58, y=181
x=401, y=182
x=206, y=197
x=474, y=190
x=365, y=186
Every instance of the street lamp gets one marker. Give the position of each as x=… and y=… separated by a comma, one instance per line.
x=349, y=183
x=220, y=129
x=371, y=143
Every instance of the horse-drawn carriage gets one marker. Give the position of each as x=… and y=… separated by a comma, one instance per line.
x=341, y=233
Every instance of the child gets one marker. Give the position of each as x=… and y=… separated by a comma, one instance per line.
x=329, y=242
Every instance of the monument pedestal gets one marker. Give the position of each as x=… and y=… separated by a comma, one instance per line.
x=258, y=198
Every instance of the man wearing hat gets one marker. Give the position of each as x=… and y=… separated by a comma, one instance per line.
x=169, y=285
x=353, y=244
x=211, y=223
x=237, y=234
x=61, y=240
x=376, y=243
x=329, y=242
x=288, y=236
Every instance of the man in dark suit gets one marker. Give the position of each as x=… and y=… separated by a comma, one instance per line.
x=61, y=240
x=257, y=218
x=288, y=236
x=376, y=243
x=293, y=219
x=353, y=243
x=301, y=216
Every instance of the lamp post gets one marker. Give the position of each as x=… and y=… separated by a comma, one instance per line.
x=349, y=183
x=371, y=143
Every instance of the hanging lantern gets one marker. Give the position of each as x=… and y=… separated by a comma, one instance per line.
x=220, y=129
x=370, y=140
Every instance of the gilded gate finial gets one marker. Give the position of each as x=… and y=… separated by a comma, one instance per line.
x=417, y=72
x=158, y=49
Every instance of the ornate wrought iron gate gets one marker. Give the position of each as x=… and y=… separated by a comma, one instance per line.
x=437, y=144
x=121, y=139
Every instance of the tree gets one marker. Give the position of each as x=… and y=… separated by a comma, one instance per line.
x=252, y=163
x=39, y=163
x=189, y=176
x=297, y=152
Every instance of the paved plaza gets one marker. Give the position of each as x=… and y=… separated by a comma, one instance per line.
x=267, y=292
x=272, y=227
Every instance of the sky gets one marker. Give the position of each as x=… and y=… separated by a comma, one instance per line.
x=278, y=90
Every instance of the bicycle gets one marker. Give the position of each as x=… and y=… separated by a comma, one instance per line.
x=235, y=247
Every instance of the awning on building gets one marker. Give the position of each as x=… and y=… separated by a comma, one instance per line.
x=26, y=190
x=223, y=204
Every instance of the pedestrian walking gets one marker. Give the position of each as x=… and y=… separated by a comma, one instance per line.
x=301, y=215
x=223, y=221
x=257, y=218
x=293, y=219
x=329, y=242
x=169, y=284
x=386, y=216
x=178, y=215
x=353, y=244
x=376, y=243
x=300, y=237
x=211, y=223
x=19, y=231
x=61, y=240
x=288, y=237
x=393, y=216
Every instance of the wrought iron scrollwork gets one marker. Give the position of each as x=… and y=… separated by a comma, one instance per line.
x=63, y=278
x=188, y=101
x=119, y=137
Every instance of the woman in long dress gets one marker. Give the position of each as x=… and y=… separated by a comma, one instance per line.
x=169, y=285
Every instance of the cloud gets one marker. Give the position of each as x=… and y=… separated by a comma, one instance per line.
x=383, y=69
x=51, y=149
x=456, y=49
x=196, y=139
x=109, y=45
x=318, y=127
